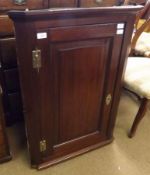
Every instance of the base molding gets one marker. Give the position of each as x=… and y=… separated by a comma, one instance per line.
x=71, y=155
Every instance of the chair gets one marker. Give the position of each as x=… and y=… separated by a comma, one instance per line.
x=137, y=74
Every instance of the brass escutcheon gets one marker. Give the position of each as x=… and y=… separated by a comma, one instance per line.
x=108, y=99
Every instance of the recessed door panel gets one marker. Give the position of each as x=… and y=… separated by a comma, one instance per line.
x=79, y=75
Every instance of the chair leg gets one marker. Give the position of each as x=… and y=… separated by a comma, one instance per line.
x=139, y=116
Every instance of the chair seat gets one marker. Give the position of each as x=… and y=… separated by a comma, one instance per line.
x=142, y=47
x=137, y=76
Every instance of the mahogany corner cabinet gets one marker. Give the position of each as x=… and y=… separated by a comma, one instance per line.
x=71, y=63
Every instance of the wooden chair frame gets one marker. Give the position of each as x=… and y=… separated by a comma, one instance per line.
x=143, y=101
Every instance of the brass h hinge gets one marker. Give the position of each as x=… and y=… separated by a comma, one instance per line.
x=36, y=59
x=42, y=145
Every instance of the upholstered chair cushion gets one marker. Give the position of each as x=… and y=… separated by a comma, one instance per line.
x=142, y=47
x=137, y=76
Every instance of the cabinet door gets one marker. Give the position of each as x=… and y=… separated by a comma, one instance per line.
x=76, y=91
x=96, y=3
x=62, y=3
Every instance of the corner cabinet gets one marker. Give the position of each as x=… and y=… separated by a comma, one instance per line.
x=71, y=63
